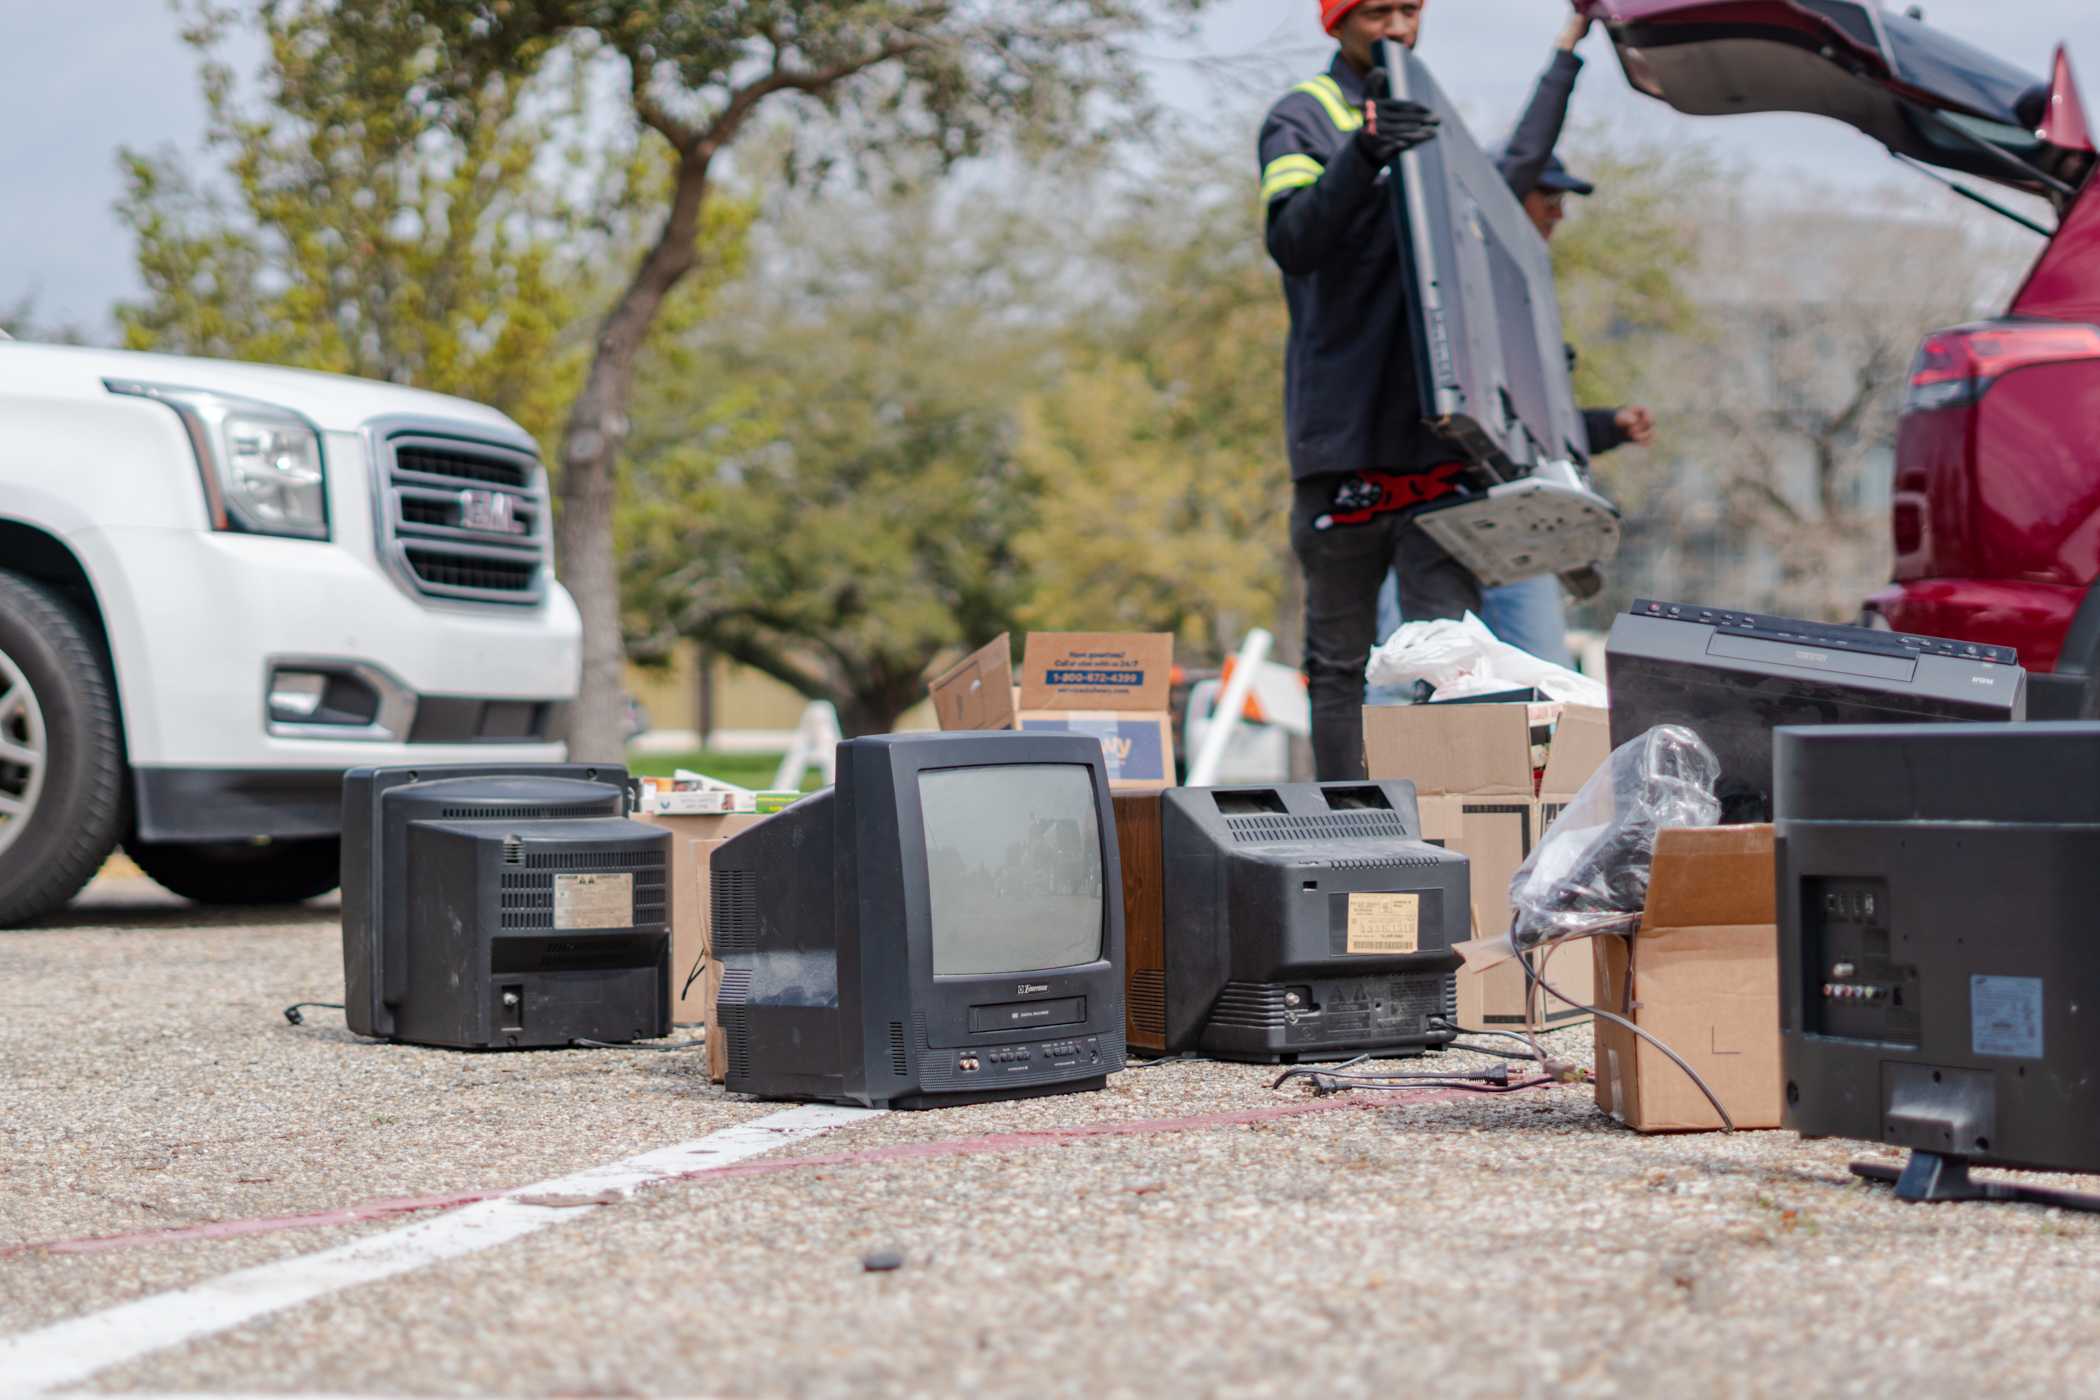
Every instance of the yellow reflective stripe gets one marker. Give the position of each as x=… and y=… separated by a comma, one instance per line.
x=1286, y=173
x=1329, y=94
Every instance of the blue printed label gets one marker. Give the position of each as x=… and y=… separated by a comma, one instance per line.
x=1132, y=750
x=1094, y=679
x=2005, y=1016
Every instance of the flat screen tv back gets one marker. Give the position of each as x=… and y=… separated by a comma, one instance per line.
x=943, y=926
x=1937, y=885
x=1491, y=362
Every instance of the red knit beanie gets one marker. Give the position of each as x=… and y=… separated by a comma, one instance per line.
x=1332, y=11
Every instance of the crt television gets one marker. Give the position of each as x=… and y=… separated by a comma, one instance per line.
x=1937, y=966
x=944, y=925
x=492, y=908
x=1300, y=921
x=1732, y=677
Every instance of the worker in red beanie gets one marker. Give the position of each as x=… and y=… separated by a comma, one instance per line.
x=1362, y=458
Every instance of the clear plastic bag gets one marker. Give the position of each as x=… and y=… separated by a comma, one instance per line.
x=1589, y=872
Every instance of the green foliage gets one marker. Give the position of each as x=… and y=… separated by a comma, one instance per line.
x=376, y=218
x=1159, y=459
x=1624, y=266
x=824, y=483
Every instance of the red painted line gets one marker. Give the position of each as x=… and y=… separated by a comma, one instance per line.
x=908, y=1151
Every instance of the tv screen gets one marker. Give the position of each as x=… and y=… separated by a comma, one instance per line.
x=1013, y=868
x=944, y=925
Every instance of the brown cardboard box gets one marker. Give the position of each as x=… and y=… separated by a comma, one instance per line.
x=977, y=692
x=1472, y=770
x=693, y=840
x=1112, y=685
x=1705, y=982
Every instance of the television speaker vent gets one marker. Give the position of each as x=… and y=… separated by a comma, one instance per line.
x=1260, y=830
x=735, y=915
x=898, y=1064
x=733, y=1013
x=1148, y=1001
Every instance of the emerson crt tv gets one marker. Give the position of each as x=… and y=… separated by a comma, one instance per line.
x=943, y=925
x=1291, y=922
x=514, y=907
x=1938, y=970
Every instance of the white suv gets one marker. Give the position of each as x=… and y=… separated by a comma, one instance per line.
x=221, y=585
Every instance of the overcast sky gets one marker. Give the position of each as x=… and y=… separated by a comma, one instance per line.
x=107, y=73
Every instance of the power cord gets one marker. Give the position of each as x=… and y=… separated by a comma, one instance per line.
x=292, y=1012
x=1494, y=1080
x=1533, y=978
x=581, y=1044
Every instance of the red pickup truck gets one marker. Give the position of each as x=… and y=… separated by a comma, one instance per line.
x=1996, y=507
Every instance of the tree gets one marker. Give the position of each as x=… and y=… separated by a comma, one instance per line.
x=1778, y=496
x=382, y=219
x=823, y=478
x=1159, y=459
x=942, y=76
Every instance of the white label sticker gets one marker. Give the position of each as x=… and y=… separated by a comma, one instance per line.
x=593, y=901
x=2005, y=1016
x=1385, y=923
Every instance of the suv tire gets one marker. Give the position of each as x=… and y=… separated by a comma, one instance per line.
x=279, y=872
x=61, y=752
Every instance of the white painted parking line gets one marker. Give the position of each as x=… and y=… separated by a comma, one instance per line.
x=67, y=1353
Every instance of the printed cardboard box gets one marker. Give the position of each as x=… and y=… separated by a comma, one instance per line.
x=1489, y=779
x=1702, y=976
x=1111, y=685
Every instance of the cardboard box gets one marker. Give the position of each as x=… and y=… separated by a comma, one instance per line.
x=1111, y=685
x=1489, y=779
x=1702, y=976
x=693, y=841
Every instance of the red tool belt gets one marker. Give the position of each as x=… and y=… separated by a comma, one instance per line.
x=1362, y=496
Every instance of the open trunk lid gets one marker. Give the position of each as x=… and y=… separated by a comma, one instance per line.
x=1923, y=94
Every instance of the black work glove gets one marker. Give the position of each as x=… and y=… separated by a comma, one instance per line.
x=1395, y=126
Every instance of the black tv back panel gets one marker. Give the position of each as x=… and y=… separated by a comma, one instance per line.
x=1937, y=890
x=502, y=907
x=1733, y=677
x=1306, y=920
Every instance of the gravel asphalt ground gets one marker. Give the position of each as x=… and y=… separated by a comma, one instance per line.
x=1124, y=1243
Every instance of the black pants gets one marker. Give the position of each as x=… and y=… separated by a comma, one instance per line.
x=1345, y=565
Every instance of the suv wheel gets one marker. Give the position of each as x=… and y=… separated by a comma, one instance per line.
x=278, y=872
x=61, y=752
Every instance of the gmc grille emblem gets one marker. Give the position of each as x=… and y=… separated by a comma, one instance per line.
x=491, y=512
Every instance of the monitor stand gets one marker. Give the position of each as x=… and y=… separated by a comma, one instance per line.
x=1928, y=1176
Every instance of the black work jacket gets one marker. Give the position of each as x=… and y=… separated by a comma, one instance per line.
x=1350, y=397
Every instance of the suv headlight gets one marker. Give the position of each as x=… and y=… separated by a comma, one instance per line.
x=261, y=464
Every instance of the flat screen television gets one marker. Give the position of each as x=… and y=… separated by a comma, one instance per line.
x=1302, y=921
x=1937, y=889
x=510, y=907
x=1733, y=677
x=942, y=926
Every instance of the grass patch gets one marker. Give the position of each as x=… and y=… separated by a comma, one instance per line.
x=748, y=770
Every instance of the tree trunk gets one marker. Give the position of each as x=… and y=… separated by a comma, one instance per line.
x=590, y=456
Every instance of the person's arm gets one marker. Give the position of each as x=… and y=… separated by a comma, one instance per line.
x=1609, y=429
x=1601, y=427
x=1538, y=130
x=1307, y=223
x=1310, y=199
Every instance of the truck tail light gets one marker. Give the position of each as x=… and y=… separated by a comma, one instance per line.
x=1959, y=366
